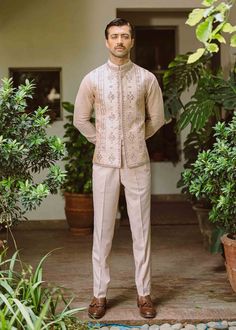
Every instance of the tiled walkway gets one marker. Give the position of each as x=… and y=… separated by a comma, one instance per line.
x=189, y=284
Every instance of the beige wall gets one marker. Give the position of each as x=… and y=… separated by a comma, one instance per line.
x=69, y=34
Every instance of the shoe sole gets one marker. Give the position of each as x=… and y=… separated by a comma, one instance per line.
x=95, y=317
x=148, y=316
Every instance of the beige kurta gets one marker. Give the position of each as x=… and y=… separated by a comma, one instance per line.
x=128, y=106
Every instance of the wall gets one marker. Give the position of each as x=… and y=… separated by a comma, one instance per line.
x=69, y=34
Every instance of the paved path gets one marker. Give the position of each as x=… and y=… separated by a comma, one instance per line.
x=189, y=284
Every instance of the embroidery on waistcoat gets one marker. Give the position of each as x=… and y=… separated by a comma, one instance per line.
x=139, y=117
x=119, y=113
x=130, y=97
x=128, y=77
x=100, y=84
x=112, y=116
x=111, y=158
x=136, y=145
x=112, y=137
x=138, y=84
x=110, y=78
x=111, y=96
x=98, y=156
x=131, y=137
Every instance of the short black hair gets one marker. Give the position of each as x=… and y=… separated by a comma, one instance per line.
x=119, y=22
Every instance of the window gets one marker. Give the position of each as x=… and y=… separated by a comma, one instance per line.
x=47, y=91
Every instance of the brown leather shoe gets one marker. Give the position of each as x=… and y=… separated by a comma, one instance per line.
x=146, y=307
x=97, y=308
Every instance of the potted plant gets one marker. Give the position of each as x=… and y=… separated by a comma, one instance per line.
x=213, y=176
x=25, y=150
x=77, y=187
x=26, y=302
x=214, y=96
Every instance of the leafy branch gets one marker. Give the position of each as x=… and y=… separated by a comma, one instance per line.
x=25, y=149
x=212, y=23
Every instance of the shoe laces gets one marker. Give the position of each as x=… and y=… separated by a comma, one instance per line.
x=147, y=304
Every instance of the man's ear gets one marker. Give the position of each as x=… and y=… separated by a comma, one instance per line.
x=106, y=43
x=132, y=43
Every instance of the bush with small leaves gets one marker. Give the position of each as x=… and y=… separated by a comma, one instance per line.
x=78, y=159
x=25, y=150
x=213, y=176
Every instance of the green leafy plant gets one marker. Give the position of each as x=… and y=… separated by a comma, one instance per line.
x=178, y=78
x=196, y=142
x=213, y=92
x=25, y=150
x=213, y=176
x=212, y=23
x=27, y=303
x=214, y=96
x=78, y=159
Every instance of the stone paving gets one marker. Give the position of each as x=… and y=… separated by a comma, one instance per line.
x=189, y=285
x=221, y=325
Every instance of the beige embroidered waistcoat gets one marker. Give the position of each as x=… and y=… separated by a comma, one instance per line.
x=128, y=107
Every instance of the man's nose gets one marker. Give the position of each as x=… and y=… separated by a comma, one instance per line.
x=119, y=41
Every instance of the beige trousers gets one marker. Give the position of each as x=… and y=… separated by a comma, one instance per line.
x=106, y=188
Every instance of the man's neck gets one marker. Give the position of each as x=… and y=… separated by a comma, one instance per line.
x=119, y=61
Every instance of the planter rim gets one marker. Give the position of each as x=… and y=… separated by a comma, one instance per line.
x=228, y=241
x=201, y=208
x=77, y=195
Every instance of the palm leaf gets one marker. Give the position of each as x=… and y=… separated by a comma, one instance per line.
x=197, y=114
x=178, y=78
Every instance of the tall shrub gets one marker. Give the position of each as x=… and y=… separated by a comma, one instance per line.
x=25, y=150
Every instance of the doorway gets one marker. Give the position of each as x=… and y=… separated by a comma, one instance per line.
x=156, y=45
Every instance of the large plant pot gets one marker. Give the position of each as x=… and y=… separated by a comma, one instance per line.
x=206, y=227
x=79, y=213
x=230, y=257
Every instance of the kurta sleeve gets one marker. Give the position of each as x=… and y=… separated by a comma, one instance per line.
x=83, y=110
x=154, y=109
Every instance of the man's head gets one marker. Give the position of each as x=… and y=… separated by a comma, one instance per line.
x=119, y=35
x=119, y=22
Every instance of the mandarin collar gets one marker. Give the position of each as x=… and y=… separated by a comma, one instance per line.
x=120, y=68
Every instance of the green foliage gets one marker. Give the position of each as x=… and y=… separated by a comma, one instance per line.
x=79, y=154
x=213, y=176
x=25, y=149
x=27, y=303
x=212, y=92
x=196, y=56
x=178, y=78
x=214, y=97
x=211, y=23
x=196, y=142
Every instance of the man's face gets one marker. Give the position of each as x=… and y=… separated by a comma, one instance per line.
x=119, y=41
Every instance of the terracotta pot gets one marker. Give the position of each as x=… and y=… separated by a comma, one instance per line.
x=230, y=257
x=79, y=213
x=205, y=226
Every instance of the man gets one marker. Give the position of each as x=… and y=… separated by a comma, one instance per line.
x=128, y=109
